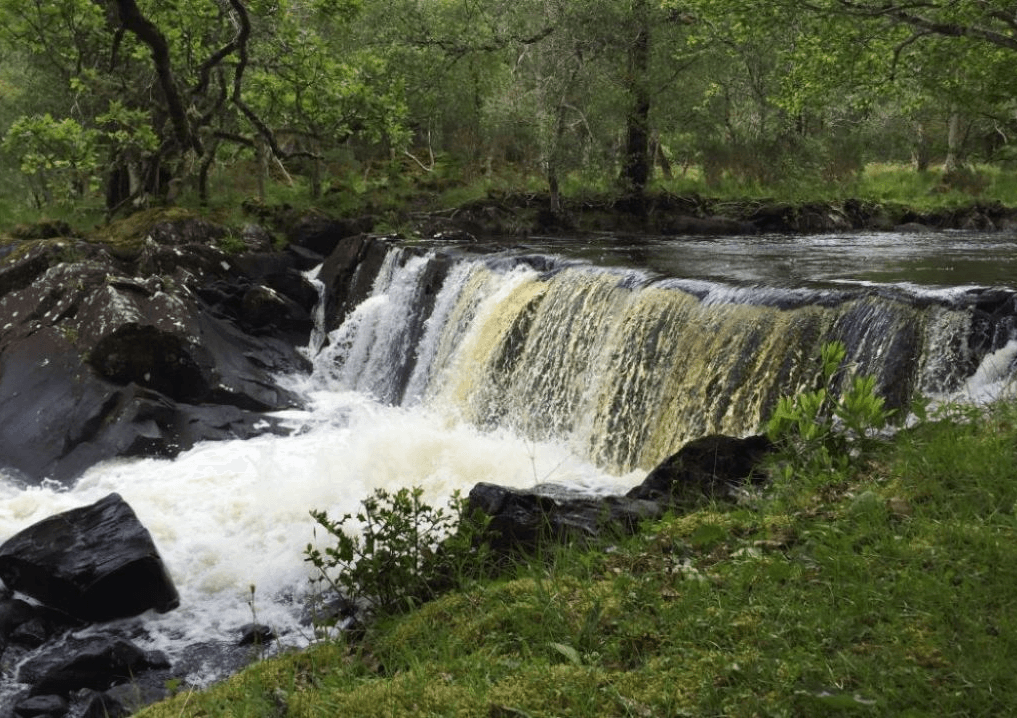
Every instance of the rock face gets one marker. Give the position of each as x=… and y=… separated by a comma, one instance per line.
x=95, y=563
x=711, y=466
x=708, y=467
x=524, y=520
x=111, y=351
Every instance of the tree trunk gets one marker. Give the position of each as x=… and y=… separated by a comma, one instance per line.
x=636, y=164
x=953, y=159
x=261, y=152
x=920, y=151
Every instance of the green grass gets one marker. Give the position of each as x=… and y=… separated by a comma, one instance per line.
x=885, y=183
x=889, y=594
x=401, y=191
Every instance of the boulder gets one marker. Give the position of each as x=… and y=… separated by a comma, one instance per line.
x=710, y=467
x=95, y=563
x=321, y=235
x=523, y=520
x=41, y=706
x=96, y=662
x=123, y=699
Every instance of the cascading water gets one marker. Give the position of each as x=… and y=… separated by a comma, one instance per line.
x=622, y=367
x=518, y=368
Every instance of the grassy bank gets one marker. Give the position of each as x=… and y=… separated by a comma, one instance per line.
x=400, y=195
x=889, y=593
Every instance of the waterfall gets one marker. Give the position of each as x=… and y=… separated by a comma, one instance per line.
x=622, y=366
x=516, y=368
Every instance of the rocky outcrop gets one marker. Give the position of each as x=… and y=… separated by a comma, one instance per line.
x=95, y=563
x=523, y=520
x=81, y=568
x=708, y=467
x=711, y=467
x=142, y=348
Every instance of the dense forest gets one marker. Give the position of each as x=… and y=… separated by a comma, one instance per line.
x=130, y=102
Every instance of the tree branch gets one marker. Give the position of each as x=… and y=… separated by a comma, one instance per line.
x=133, y=21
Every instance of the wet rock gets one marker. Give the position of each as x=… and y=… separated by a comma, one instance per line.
x=348, y=275
x=95, y=563
x=711, y=466
x=322, y=235
x=48, y=705
x=912, y=228
x=705, y=226
x=97, y=662
x=122, y=700
x=256, y=634
x=524, y=520
x=103, y=356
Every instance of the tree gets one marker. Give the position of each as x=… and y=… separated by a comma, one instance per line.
x=196, y=72
x=960, y=51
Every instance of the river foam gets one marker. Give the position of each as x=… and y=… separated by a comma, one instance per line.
x=229, y=516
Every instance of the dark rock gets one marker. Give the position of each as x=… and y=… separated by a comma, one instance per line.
x=46, y=705
x=348, y=275
x=912, y=228
x=190, y=230
x=104, y=705
x=95, y=563
x=322, y=234
x=123, y=700
x=97, y=662
x=256, y=634
x=103, y=357
x=710, y=466
x=13, y=613
x=524, y=520
x=256, y=238
x=32, y=633
x=279, y=271
x=705, y=226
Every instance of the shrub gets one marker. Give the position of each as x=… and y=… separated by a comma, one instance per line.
x=820, y=432
x=405, y=553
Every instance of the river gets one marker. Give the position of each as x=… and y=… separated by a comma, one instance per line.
x=580, y=362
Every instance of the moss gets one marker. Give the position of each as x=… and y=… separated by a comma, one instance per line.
x=125, y=237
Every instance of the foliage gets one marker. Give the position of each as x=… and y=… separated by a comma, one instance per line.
x=403, y=551
x=819, y=431
x=57, y=156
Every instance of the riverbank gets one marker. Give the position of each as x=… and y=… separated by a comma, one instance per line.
x=473, y=211
x=886, y=594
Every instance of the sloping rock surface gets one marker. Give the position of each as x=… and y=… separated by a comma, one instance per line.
x=110, y=352
x=711, y=467
x=524, y=520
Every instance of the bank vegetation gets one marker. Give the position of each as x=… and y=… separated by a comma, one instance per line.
x=884, y=590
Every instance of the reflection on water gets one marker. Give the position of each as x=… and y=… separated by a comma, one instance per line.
x=934, y=259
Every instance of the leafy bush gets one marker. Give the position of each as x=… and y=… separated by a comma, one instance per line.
x=405, y=553
x=819, y=431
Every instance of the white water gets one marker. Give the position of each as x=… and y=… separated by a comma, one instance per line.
x=227, y=516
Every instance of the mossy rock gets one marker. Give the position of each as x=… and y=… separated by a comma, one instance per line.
x=43, y=229
x=126, y=236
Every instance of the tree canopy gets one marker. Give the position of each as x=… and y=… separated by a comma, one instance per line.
x=141, y=100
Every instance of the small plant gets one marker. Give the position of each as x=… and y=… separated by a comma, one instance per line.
x=232, y=244
x=405, y=553
x=818, y=430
